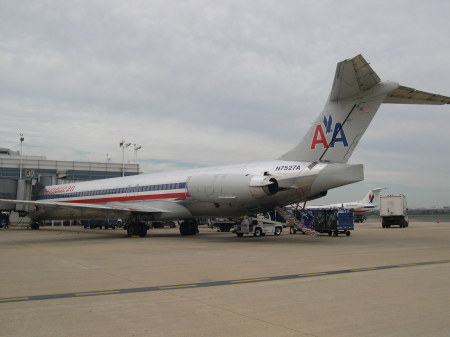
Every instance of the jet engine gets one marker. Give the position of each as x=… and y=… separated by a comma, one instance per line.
x=231, y=187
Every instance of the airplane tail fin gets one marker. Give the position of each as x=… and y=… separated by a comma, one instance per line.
x=356, y=95
x=372, y=197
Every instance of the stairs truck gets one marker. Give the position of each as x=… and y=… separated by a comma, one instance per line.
x=393, y=211
x=326, y=220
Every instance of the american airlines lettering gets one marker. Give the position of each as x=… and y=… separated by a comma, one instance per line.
x=62, y=189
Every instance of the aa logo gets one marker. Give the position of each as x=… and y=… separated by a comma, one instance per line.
x=327, y=134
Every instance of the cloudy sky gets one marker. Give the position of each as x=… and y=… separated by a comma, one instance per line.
x=201, y=83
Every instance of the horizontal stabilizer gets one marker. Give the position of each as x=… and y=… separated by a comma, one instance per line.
x=352, y=77
x=405, y=95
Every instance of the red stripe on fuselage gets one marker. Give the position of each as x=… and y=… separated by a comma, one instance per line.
x=130, y=198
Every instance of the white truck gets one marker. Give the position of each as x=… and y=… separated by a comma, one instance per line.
x=393, y=211
x=258, y=225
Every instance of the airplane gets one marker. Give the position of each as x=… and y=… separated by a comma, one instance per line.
x=315, y=165
x=369, y=202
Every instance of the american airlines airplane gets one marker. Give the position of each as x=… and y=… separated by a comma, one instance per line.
x=306, y=172
x=369, y=202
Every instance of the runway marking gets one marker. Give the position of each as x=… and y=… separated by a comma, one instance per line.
x=252, y=280
x=407, y=264
x=312, y=274
x=14, y=299
x=98, y=293
x=212, y=284
x=178, y=287
x=363, y=269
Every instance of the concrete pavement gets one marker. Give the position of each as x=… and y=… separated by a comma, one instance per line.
x=92, y=265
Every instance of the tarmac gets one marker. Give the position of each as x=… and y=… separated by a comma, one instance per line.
x=70, y=281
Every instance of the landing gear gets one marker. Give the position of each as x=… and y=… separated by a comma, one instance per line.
x=137, y=228
x=189, y=227
x=35, y=225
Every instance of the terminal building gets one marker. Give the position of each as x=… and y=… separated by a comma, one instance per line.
x=20, y=175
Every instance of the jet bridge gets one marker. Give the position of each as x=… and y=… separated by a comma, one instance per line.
x=17, y=189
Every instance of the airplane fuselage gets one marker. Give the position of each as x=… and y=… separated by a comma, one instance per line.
x=355, y=206
x=231, y=190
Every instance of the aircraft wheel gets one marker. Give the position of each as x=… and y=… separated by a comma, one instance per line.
x=34, y=225
x=188, y=227
x=143, y=232
x=130, y=230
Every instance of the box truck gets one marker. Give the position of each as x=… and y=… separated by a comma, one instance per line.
x=393, y=211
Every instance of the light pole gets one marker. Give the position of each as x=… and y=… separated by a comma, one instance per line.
x=136, y=148
x=107, y=162
x=20, y=166
x=123, y=145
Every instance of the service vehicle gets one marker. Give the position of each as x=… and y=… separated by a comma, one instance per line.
x=99, y=224
x=393, y=211
x=224, y=224
x=258, y=225
x=331, y=221
x=359, y=217
x=4, y=220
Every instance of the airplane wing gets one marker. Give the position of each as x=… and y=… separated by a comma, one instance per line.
x=123, y=210
x=405, y=95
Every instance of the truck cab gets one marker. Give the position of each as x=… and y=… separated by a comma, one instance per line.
x=258, y=225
